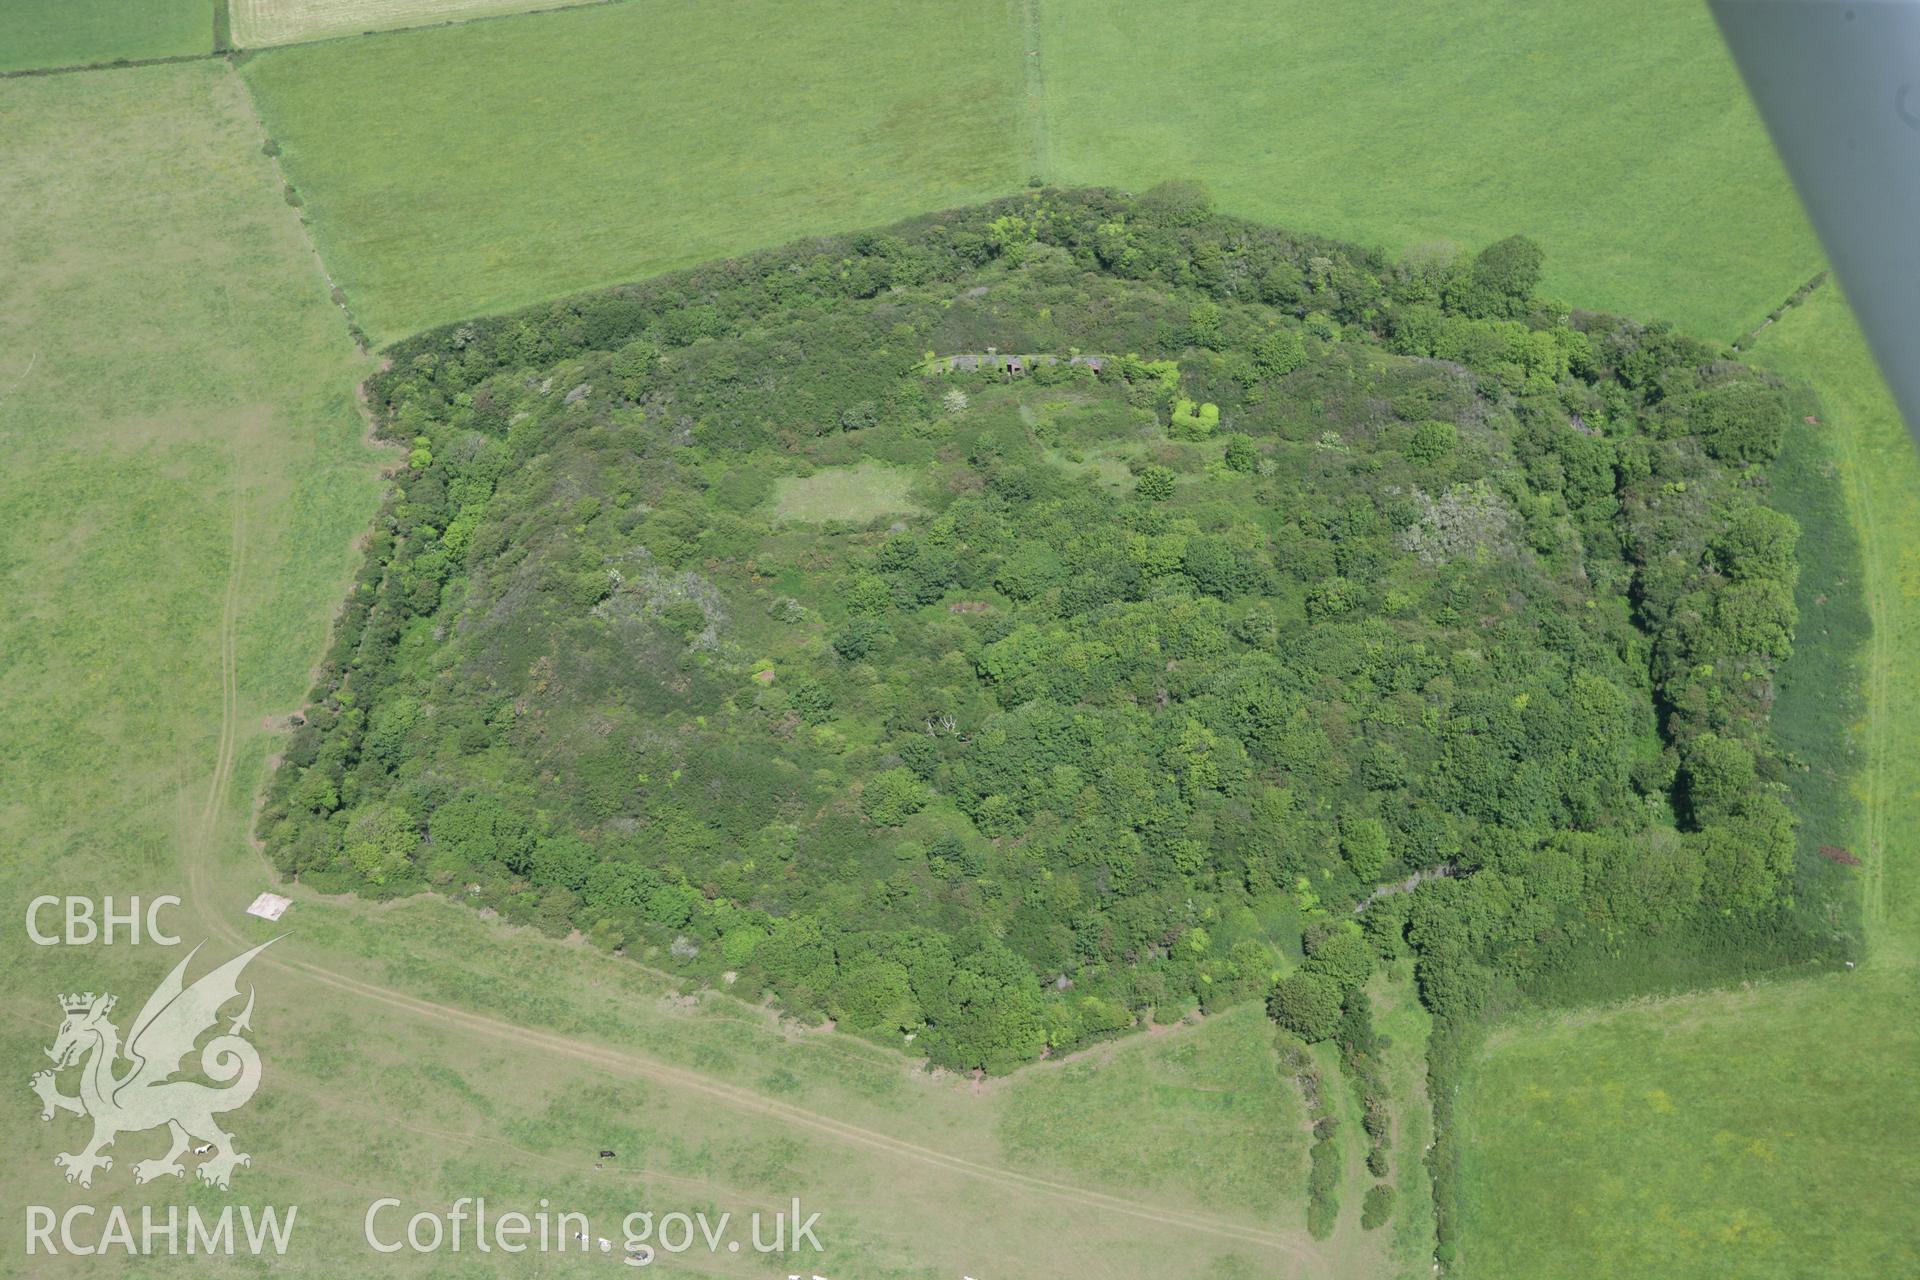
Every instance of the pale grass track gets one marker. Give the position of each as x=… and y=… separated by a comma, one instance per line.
x=229, y=667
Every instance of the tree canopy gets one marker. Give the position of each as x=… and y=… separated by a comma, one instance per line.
x=712, y=619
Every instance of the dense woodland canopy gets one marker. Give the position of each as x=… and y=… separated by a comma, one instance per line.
x=710, y=619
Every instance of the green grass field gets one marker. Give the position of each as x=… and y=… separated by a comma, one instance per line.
x=1620, y=1143
x=1820, y=344
x=37, y=34
x=447, y=176
x=1613, y=132
x=473, y=168
x=185, y=470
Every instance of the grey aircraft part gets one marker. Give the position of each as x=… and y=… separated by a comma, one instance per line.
x=1838, y=84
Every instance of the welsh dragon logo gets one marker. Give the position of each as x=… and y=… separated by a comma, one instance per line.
x=144, y=1094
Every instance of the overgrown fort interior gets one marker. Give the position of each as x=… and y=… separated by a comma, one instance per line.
x=881, y=640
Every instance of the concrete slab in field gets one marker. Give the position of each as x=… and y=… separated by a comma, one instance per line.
x=269, y=906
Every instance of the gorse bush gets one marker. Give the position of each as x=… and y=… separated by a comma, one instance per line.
x=1377, y=1206
x=1333, y=571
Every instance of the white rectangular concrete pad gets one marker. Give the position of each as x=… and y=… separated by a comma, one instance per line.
x=269, y=906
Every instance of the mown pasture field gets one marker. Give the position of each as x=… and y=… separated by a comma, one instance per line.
x=468, y=169
x=448, y=175
x=258, y=23
x=39, y=34
x=1214, y=1088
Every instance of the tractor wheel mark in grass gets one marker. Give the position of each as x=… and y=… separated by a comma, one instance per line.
x=1034, y=105
x=229, y=675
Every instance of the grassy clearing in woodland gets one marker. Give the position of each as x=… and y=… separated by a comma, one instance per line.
x=474, y=168
x=37, y=34
x=855, y=494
